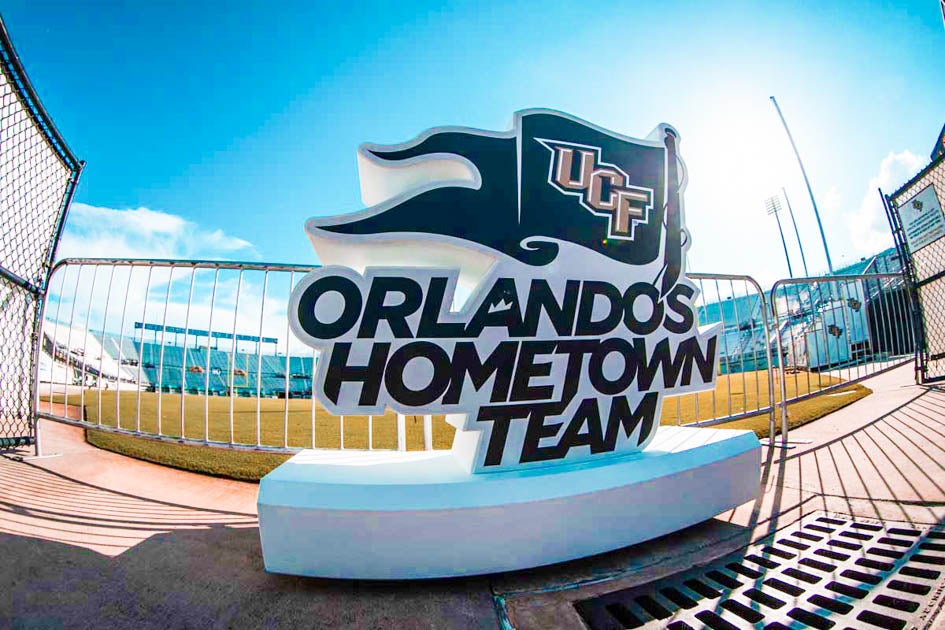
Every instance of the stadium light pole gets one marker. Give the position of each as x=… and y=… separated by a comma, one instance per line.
x=796, y=233
x=807, y=182
x=773, y=205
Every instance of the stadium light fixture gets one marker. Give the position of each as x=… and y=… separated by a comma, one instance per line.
x=773, y=206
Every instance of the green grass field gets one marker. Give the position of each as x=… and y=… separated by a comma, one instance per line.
x=743, y=393
x=277, y=422
x=281, y=422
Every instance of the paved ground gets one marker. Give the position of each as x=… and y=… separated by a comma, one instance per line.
x=882, y=457
x=94, y=539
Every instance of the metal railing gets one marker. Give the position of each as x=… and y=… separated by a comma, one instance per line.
x=197, y=352
x=201, y=352
x=744, y=384
x=833, y=331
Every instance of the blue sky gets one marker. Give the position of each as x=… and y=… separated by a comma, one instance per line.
x=217, y=131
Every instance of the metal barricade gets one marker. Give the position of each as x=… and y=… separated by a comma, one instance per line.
x=197, y=352
x=836, y=330
x=744, y=382
x=201, y=352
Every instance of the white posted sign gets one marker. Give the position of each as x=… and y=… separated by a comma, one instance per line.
x=922, y=219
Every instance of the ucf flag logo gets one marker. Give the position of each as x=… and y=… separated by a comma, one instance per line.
x=530, y=284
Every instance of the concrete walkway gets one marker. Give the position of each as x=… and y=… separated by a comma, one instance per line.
x=95, y=539
x=882, y=457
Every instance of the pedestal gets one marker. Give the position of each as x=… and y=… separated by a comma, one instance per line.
x=408, y=515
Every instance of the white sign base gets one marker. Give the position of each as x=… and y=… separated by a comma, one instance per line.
x=410, y=515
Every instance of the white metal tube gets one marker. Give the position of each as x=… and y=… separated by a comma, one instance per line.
x=236, y=310
x=144, y=318
x=207, y=367
x=55, y=340
x=167, y=300
x=183, y=363
x=262, y=315
x=121, y=347
x=101, y=354
x=75, y=294
x=288, y=366
x=428, y=432
x=401, y=432
x=85, y=340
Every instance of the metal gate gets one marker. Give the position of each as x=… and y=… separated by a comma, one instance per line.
x=918, y=225
x=38, y=174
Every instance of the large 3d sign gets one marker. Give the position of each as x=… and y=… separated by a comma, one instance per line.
x=530, y=284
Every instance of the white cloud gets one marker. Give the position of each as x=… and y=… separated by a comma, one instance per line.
x=869, y=229
x=113, y=298
x=93, y=232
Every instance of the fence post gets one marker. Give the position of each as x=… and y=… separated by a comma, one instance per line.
x=782, y=386
x=428, y=433
x=767, y=333
x=40, y=313
x=401, y=432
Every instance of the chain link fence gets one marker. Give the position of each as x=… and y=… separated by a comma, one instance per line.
x=38, y=174
x=926, y=264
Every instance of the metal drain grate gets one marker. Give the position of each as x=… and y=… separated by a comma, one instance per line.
x=822, y=572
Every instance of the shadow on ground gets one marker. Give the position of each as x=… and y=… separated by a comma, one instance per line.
x=212, y=578
x=79, y=555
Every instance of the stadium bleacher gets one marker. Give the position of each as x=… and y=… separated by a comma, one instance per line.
x=173, y=368
x=217, y=372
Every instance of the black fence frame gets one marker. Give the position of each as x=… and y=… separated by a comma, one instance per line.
x=32, y=291
x=921, y=309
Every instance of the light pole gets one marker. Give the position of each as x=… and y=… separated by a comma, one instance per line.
x=773, y=205
x=807, y=182
x=796, y=233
